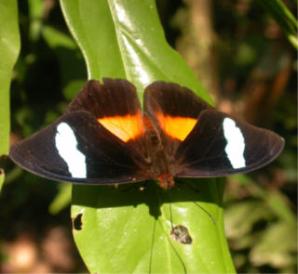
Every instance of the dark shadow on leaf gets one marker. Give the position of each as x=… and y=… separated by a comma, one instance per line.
x=148, y=193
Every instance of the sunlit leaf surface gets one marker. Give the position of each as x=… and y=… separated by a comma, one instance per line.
x=9, y=49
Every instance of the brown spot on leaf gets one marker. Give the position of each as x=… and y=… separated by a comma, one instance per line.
x=180, y=234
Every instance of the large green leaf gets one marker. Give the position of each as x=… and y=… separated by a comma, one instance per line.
x=9, y=50
x=124, y=39
x=126, y=229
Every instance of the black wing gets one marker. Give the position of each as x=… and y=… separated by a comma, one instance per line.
x=77, y=148
x=173, y=100
x=175, y=110
x=203, y=141
x=113, y=97
x=96, y=141
x=220, y=145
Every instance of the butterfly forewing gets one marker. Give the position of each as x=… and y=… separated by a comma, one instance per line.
x=77, y=148
x=220, y=145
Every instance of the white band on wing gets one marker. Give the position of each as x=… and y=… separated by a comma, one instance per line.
x=67, y=146
x=235, y=143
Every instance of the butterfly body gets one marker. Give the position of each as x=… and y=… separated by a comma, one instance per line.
x=152, y=159
x=161, y=165
x=105, y=137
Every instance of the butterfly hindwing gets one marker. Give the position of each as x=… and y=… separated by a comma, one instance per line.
x=115, y=105
x=220, y=145
x=172, y=100
x=174, y=109
x=112, y=97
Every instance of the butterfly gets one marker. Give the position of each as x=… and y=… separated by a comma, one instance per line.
x=105, y=137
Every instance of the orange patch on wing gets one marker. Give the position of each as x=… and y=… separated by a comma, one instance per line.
x=176, y=126
x=126, y=127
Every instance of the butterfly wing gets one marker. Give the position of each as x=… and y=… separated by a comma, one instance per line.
x=174, y=109
x=207, y=143
x=220, y=145
x=91, y=143
x=170, y=103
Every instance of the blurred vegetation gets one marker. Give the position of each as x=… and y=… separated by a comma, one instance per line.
x=243, y=57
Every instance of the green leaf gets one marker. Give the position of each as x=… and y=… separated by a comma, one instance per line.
x=124, y=39
x=128, y=229
x=2, y=178
x=9, y=50
x=122, y=230
x=36, y=9
x=70, y=61
x=283, y=17
x=61, y=200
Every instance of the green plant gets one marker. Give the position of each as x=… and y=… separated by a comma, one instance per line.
x=124, y=39
x=9, y=50
x=127, y=229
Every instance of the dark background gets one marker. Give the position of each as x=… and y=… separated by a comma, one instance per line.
x=241, y=56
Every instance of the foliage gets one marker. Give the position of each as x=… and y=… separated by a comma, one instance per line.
x=2, y=178
x=9, y=49
x=250, y=54
x=246, y=228
x=284, y=17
